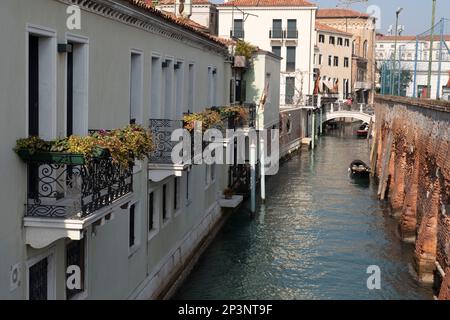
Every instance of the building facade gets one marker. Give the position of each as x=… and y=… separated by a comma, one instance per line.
x=362, y=27
x=127, y=63
x=285, y=28
x=409, y=50
x=202, y=12
x=333, y=62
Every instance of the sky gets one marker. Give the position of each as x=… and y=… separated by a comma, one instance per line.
x=415, y=17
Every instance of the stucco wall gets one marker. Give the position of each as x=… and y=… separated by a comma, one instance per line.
x=113, y=271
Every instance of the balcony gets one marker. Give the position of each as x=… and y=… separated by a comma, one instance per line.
x=363, y=85
x=292, y=34
x=66, y=195
x=237, y=34
x=160, y=164
x=276, y=34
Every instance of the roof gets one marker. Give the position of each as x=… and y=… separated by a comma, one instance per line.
x=171, y=2
x=340, y=13
x=411, y=38
x=179, y=21
x=268, y=3
x=327, y=28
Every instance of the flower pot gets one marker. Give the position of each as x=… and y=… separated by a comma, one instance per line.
x=52, y=157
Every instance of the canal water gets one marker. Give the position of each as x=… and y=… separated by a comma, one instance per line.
x=314, y=238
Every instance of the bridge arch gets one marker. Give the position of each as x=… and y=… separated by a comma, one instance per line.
x=346, y=114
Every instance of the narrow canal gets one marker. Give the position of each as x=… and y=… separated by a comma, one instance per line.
x=313, y=239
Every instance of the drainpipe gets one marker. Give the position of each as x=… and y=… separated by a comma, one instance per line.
x=313, y=130
x=253, y=175
x=263, y=166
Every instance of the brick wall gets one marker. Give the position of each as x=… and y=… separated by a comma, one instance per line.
x=412, y=144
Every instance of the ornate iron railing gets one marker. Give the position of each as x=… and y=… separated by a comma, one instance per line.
x=162, y=132
x=62, y=190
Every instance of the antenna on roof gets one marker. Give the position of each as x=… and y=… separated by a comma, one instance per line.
x=348, y=3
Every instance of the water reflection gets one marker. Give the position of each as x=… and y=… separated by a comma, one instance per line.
x=314, y=238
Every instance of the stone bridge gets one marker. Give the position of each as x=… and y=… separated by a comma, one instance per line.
x=360, y=111
x=411, y=158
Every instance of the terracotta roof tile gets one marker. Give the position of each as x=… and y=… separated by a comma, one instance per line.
x=171, y=2
x=269, y=3
x=340, y=13
x=324, y=27
x=182, y=22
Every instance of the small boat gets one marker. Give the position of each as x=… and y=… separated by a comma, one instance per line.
x=359, y=168
x=363, y=131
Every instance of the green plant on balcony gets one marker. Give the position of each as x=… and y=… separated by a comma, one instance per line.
x=208, y=118
x=122, y=145
x=239, y=113
x=244, y=49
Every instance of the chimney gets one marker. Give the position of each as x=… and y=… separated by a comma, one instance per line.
x=183, y=8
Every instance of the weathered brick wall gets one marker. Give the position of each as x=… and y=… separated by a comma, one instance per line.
x=413, y=166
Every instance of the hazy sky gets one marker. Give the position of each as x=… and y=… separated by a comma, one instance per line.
x=416, y=14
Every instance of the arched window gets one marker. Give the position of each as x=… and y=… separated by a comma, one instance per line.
x=365, y=49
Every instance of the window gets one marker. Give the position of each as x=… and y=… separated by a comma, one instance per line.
x=188, y=189
x=168, y=87
x=136, y=89
x=330, y=60
x=347, y=42
x=75, y=256
x=164, y=203
x=156, y=88
x=191, y=87
x=176, y=194
x=132, y=225
x=179, y=89
x=321, y=38
x=292, y=29
x=332, y=40
x=290, y=90
x=336, y=61
x=77, y=87
x=276, y=50
x=42, y=86
x=346, y=62
x=212, y=78
x=340, y=41
x=38, y=280
x=290, y=58
x=320, y=59
x=277, y=29
x=365, y=49
x=151, y=211
x=238, y=29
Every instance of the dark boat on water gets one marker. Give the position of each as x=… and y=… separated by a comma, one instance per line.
x=359, y=168
x=363, y=131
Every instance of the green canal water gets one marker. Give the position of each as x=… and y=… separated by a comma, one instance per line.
x=314, y=238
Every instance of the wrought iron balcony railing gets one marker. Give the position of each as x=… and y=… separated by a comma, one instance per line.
x=276, y=34
x=61, y=187
x=291, y=34
x=162, y=132
x=237, y=33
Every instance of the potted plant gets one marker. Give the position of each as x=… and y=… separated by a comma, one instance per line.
x=123, y=146
x=208, y=118
x=228, y=193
